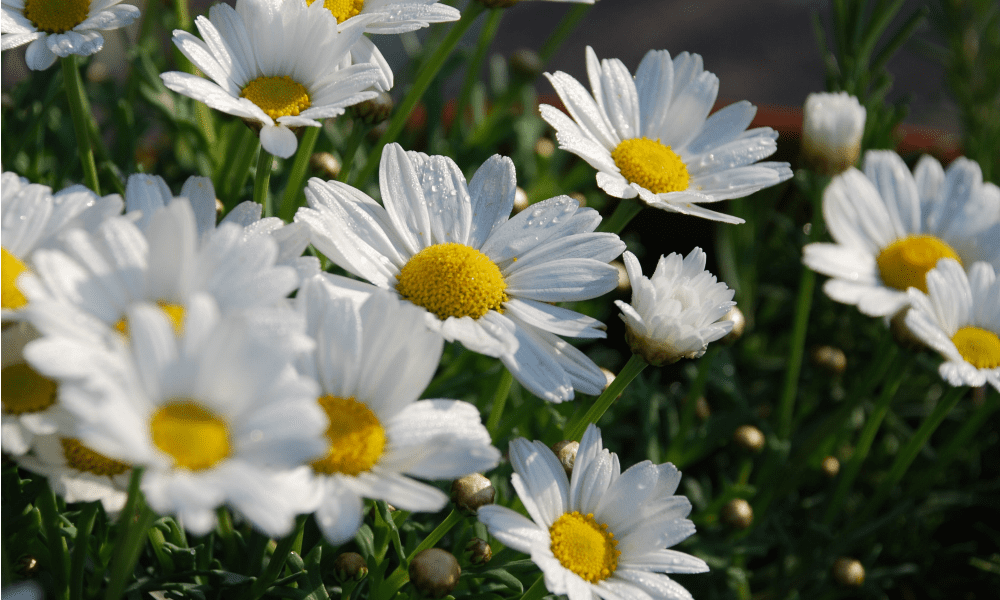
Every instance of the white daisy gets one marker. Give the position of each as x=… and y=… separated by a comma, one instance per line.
x=890, y=227
x=959, y=316
x=675, y=313
x=61, y=27
x=33, y=218
x=648, y=136
x=31, y=405
x=391, y=16
x=601, y=533
x=832, y=126
x=486, y=280
x=374, y=356
x=275, y=64
x=215, y=417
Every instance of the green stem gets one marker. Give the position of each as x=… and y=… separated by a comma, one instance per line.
x=293, y=189
x=236, y=178
x=262, y=180
x=134, y=521
x=675, y=452
x=358, y=130
x=424, y=79
x=401, y=575
x=626, y=210
x=537, y=590
x=563, y=31
x=77, y=109
x=278, y=558
x=499, y=400
x=82, y=542
x=632, y=368
x=48, y=506
x=475, y=66
x=226, y=532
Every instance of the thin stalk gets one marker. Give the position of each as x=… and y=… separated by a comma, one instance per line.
x=424, y=79
x=358, y=130
x=632, y=368
x=262, y=180
x=486, y=36
x=499, y=400
x=278, y=558
x=134, y=523
x=675, y=453
x=563, y=31
x=293, y=189
x=77, y=108
x=626, y=210
x=48, y=506
x=803, y=306
x=79, y=560
x=226, y=532
x=234, y=180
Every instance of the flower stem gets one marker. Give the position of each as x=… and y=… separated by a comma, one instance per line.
x=293, y=189
x=237, y=175
x=278, y=558
x=82, y=542
x=358, y=130
x=626, y=210
x=632, y=368
x=563, y=31
x=675, y=453
x=424, y=79
x=48, y=506
x=486, y=36
x=77, y=109
x=262, y=180
x=135, y=519
x=499, y=400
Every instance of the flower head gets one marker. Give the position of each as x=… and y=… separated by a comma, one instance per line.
x=391, y=16
x=832, y=126
x=959, y=317
x=483, y=279
x=601, y=532
x=648, y=136
x=675, y=313
x=61, y=27
x=890, y=227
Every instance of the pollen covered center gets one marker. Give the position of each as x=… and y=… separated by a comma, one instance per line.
x=584, y=546
x=195, y=437
x=979, y=347
x=25, y=390
x=452, y=280
x=175, y=313
x=356, y=437
x=82, y=458
x=56, y=16
x=342, y=9
x=904, y=263
x=277, y=96
x=12, y=298
x=651, y=165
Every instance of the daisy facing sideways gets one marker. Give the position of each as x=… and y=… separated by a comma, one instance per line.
x=484, y=279
x=276, y=65
x=890, y=227
x=599, y=533
x=650, y=136
x=959, y=317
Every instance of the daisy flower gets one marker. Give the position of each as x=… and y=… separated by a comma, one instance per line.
x=675, y=313
x=31, y=405
x=601, y=532
x=485, y=280
x=959, y=316
x=61, y=27
x=890, y=227
x=391, y=16
x=216, y=416
x=276, y=65
x=832, y=126
x=374, y=356
x=648, y=136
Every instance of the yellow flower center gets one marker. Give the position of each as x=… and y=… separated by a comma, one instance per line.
x=452, y=280
x=82, y=458
x=25, y=390
x=56, y=16
x=584, y=546
x=356, y=437
x=342, y=9
x=277, y=96
x=652, y=165
x=195, y=437
x=904, y=263
x=11, y=298
x=979, y=347
x=174, y=312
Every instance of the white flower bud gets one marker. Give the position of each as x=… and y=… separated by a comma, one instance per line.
x=832, y=125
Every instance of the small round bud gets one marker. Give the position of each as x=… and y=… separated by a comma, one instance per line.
x=739, y=325
x=372, y=111
x=701, y=408
x=350, y=566
x=737, y=513
x=326, y=164
x=520, y=200
x=544, y=147
x=830, y=359
x=749, y=438
x=566, y=453
x=830, y=466
x=624, y=284
x=434, y=572
x=579, y=197
x=472, y=491
x=219, y=209
x=479, y=550
x=848, y=572
x=526, y=63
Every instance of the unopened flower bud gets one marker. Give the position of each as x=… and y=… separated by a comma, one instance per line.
x=749, y=438
x=372, y=111
x=544, y=147
x=832, y=126
x=219, y=209
x=579, y=197
x=609, y=377
x=472, y=491
x=737, y=513
x=350, y=566
x=624, y=285
x=566, y=453
x=479, y=550
x=830, y=359
x=434, y=572
x=848, y=572
x=526, y=63
x=830, y=466
x=520, y=200
x=326, y=164
x=739, y=321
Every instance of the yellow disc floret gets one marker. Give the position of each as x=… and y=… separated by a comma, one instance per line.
x=277, y=96
x=195, y=437
x=979, y=347
x=12, y=298
x=25, y=390
x=584, y=546
x=342, y=9
x=56, y=16
x=82, y=458
x=452, y=280
x=904, y=263
x=651, y=165
x=175, y=313
x=356, y=437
